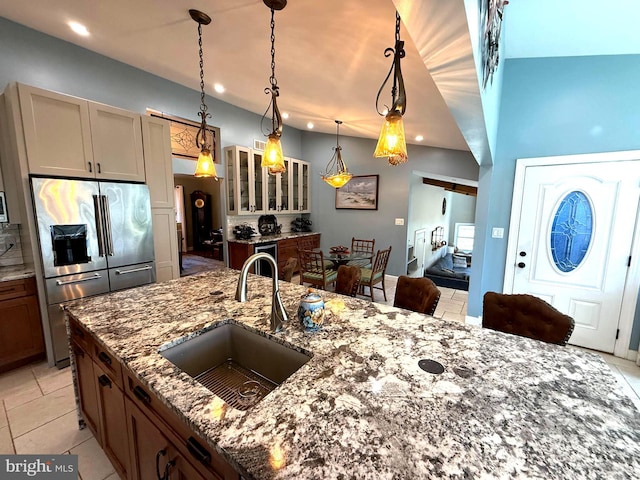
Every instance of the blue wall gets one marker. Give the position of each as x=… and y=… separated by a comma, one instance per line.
x=554, y=106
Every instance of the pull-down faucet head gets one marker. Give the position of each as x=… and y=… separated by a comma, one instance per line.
x=278, y=313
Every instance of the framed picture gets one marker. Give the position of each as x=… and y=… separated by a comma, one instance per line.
x=183, y=137
x=361, y=193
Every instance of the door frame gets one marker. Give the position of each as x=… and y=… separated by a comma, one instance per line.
x=632, y=281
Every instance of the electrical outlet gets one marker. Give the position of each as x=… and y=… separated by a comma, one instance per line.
x=399, y=221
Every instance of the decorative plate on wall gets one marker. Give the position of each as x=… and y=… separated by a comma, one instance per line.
x=444, y=206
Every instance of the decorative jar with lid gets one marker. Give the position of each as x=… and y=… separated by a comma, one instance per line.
x=311, y=311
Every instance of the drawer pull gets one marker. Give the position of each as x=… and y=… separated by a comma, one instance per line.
x=77, y=332
x=96, y=276
x=142, y=395
x=104, y=358
x=169, y=464
x=134, y=270
x=104, y=381
x=7, y=290
x=198, y=452
x=79, y=352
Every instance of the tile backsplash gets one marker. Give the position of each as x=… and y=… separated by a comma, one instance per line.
x=10, y=235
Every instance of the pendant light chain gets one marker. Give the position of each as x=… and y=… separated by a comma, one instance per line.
x=273, y=80
x=394, y=87
x=203, y=106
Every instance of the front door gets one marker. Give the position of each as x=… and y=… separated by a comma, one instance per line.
x=574, y=242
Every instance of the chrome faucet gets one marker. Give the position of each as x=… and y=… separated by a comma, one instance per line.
x=278, y=314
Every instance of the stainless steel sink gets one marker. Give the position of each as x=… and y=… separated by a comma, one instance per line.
x=238, y=365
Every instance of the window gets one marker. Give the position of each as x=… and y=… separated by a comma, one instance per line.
x=464, y=236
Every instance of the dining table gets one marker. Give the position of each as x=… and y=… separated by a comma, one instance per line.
x=344, y=258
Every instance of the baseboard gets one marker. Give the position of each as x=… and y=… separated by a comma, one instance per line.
x=633, y=355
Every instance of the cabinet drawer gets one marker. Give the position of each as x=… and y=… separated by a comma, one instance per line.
x=108, y=363
x=191, y=446
x=80, y=335
x=17, y=288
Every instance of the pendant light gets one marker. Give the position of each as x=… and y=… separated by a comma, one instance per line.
x=273, y=157
x=341, y=175
x=392, y=143
x=205, y=166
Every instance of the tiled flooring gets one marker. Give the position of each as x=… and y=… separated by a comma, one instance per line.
x=38, y=411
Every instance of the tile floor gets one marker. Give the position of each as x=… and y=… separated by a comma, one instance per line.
x=38, y=411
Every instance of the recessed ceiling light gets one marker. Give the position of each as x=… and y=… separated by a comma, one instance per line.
x=285, y=115
x=218, y=87
x=79, y=28
x=310, y=125
x=419, y=138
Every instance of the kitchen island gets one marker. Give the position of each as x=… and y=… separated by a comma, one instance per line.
x=504, y=407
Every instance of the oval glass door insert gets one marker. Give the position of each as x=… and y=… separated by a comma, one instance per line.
x=571, y=231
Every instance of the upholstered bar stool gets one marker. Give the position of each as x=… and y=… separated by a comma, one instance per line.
x=416, y=294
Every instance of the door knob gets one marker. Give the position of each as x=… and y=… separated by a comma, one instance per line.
x=521, y=265
x=523, y=254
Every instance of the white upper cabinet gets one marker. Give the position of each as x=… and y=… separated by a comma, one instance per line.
x=116, y=135
x=156, y=140
x=299, y=179
x=72, y=137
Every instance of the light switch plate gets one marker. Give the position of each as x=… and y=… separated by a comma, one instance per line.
x=399, y=221
x=497, y=232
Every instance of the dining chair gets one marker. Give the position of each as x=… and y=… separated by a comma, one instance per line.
x=375, y=275
x=287, y=271
x=348, y=280
x=416, y=294
x=313, y=269
x=526, y=316
x=362, y=246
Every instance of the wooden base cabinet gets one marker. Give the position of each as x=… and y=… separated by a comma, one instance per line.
x=238, y=254
x=288, y=248
x=143, y=439
x=21, y=339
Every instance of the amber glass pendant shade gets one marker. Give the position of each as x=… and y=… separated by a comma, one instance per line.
x=392, y=141
x=205, y=166
x=338, y=180
x=273, y=157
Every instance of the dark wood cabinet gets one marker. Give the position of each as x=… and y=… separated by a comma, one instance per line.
x=152, y=452
x=21, y=338
x=87, y=393
x=113, y=423
x=288, y=248
x=238, y=254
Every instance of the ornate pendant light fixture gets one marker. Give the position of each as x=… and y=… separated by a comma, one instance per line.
x=205, y=166
x=336, y=173
x=392, y=143
x=273, y=157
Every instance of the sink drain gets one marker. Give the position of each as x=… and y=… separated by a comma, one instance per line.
x=431, y=366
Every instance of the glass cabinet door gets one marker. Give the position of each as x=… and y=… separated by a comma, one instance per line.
x=284, y=193
x=295, y=185
x=244, y=204
x=230, y=181
x=258, y=190
x=304, y=187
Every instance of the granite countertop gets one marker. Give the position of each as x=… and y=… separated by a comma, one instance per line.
x=505, y=406
x=16, y=272
x=273, y=238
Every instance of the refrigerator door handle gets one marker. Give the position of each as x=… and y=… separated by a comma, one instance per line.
x=107, y=224
x=99, y=223
x=70, y=282
x=133, y=270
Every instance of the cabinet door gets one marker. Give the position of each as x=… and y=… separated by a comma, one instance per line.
x=152, y=452
x=238, y=254
x=165, y=243
x=231, y=181
x=87, y=393
x=156, y=142
x=259, y=176
x=57, y=133
x=300, y=186
x=116, y=135
x=20, y=331
x=113, y=421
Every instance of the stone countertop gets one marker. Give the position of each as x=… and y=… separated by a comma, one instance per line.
x=505, y=406
x=16, y=272
x=272, y=238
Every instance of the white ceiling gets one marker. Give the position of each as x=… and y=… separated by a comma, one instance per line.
x=329, y=54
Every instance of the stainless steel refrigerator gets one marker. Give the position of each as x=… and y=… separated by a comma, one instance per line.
x=95, y=237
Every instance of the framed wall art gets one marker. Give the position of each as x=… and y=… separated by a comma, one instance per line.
x=361, y=193
x=183, y=137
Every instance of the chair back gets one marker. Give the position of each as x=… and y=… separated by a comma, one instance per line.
x=380, y=263
x=348, y=280
x=312, y=269
x=416, y=294
x=289, y=268
x=364, y=246
x=527, y=316
x=306, y=243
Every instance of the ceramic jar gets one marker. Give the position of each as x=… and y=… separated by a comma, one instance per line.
x=311, y=311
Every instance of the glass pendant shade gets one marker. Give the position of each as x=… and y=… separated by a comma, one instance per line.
x=392, y=141
x=338, y=180
x=336, y=173
x=205, y=167
x=273, y=157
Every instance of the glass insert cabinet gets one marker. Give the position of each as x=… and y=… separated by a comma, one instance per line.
x=251, y=190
